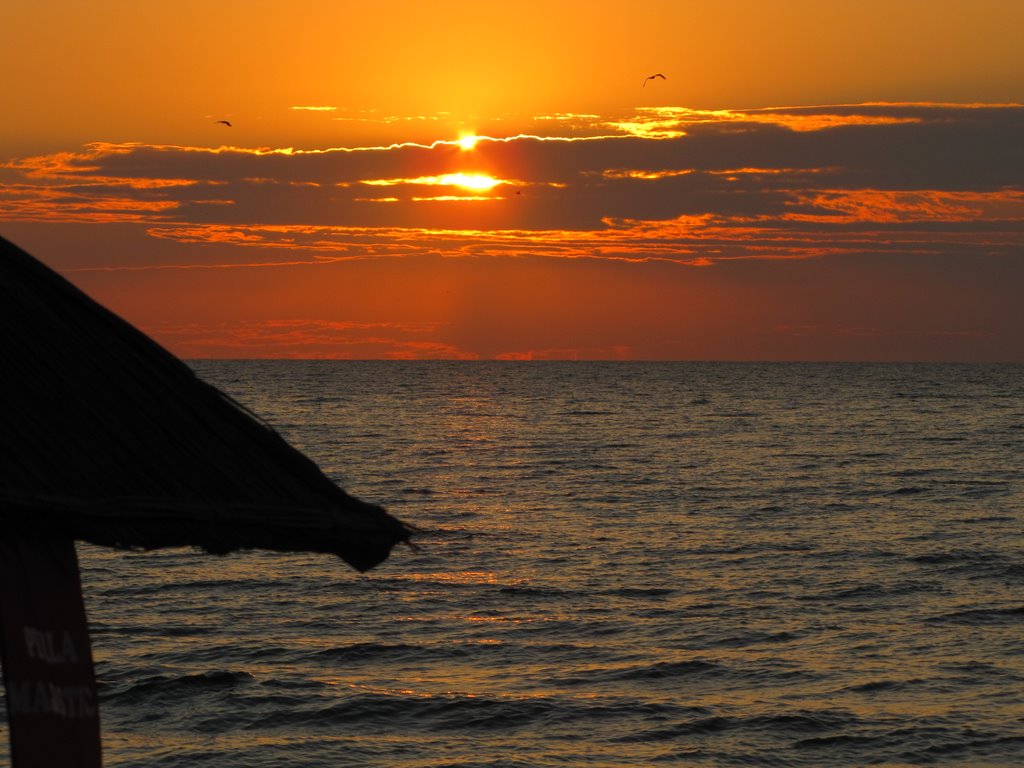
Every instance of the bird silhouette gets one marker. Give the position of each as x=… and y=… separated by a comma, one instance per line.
x=654, y=76
x=223, y=121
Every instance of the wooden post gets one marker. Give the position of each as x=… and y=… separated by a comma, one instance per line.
x=52, y=707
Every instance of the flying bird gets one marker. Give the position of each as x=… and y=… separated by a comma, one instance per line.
x=654, y=76
x=223, y=121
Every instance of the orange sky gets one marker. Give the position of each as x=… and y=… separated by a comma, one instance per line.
x=810, y=181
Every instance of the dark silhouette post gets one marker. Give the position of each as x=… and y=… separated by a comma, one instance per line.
x=47, y=662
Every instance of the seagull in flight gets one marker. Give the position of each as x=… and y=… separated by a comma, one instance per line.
x=654, y=76
x=223, y=121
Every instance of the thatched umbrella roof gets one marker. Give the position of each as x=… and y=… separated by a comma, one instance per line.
x=106, y=437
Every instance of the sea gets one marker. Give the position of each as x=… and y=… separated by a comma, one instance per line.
x=617, y=564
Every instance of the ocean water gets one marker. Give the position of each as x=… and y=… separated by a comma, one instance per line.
x=620, y=564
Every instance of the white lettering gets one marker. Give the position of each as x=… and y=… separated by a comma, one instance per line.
x=37, y=697
x=42, y=645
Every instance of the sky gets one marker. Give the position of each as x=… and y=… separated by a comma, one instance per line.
x=805, y=181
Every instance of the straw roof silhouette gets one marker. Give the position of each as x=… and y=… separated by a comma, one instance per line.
x=106, y=437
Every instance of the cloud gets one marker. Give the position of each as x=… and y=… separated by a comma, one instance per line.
x=662, y=184
x=306, y=339
x=886, y=206
x=615, y=352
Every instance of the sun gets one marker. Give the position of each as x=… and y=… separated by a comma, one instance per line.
x=467, y=141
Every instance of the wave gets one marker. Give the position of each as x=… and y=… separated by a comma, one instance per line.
x=371, y=652
x=977, y=617
x=885, y=686
x=460, y=711
x=532, y=591
x=662, y=671
x=907, y=490
x=787, y=724
x=979, y=564
x=871, y=592
x=169, y=686
x=640, y=592
x=754, y=637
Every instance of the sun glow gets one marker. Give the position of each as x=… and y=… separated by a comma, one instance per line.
x=478, y=181
x=469, y=180
x=467, y=141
